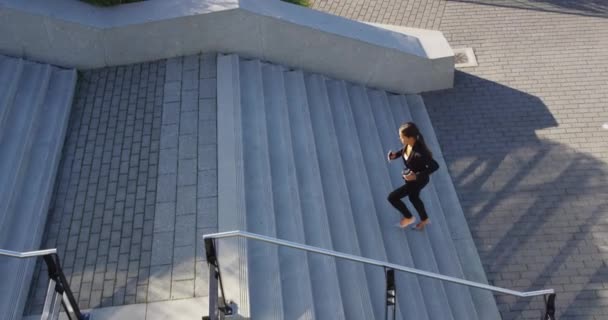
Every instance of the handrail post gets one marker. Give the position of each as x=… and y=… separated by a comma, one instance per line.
x=63, y=287
x=549, y=307
x=214, y=277
x=391, y=292
x=211, y=262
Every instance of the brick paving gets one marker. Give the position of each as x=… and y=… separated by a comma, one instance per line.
x=137, y=186
x=102, y=214
x=522, y=137
x=186, y=201
x=412, y=13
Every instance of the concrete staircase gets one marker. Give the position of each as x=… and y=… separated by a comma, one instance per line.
x=35, y=102
x=303, y=158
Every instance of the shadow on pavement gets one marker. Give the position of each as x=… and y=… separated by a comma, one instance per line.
x=536, y=208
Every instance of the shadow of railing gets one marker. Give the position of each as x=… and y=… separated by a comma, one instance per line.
x=531, y=203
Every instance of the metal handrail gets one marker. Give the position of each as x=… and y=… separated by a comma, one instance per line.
x=27, y=254
x=58, y=284
x=249, y=235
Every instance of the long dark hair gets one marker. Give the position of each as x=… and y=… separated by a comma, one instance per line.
x=409, y=129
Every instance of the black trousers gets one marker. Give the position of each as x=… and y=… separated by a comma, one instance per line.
x=410, y=189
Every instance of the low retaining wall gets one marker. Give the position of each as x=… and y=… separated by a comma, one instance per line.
x=74, y=34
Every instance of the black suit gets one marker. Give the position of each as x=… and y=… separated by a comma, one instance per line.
x=421, y=163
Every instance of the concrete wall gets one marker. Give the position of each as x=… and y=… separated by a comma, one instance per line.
x=73, y=34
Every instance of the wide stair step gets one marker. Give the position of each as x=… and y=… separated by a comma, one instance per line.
x=355, y=294
x=263, y=264
x=35, y=104
x=303, y=158
x=295, y=278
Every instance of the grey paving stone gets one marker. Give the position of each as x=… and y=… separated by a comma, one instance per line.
x=167, y=185
x=186, y=200
x=201, y=284
x=162, y=249
x=159, y=287
x=207, y=88
x=118, y=298
x=182, y=289
x=167, y=161
x=207, y=109
x=183, y=263
x=190, y=80
x=208, y=67
x=187, y=147
x=207, y=183
x=164, y=218
x=207, y=213
x=172, y=91
x=142, y=294
x=188, y=123
x=144, y=274
x=189, y=101
x=207, y=157
x=207, y=132
x=187, y=172
x=108, y=290
x=95, y=298
x=98, y=278
x=171, y=113
x=169, y=137
x=185, y=230
x=133, y=269
x=148, y=230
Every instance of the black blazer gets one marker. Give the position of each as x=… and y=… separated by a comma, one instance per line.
x=420, y=162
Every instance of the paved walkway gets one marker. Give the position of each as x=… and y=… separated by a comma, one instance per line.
x=102, y=216
x=412, y=13
x=137, y=188
x=522, y=135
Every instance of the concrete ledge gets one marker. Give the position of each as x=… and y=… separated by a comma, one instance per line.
x=74, y=34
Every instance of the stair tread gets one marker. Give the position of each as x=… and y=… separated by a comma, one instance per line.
x=44, y=157
x=355, y=294
x=263, y=261
x=323, y=272
x=397, y=246
x=231, y=198
x=10, y=72
x=295, y=277
x=17, y=133
x=366, y=225
x=33, y=135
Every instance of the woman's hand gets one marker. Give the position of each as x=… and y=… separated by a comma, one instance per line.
x=391, y=155
x=411, y=176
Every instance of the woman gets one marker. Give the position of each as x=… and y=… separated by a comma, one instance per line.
x=419, y=164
